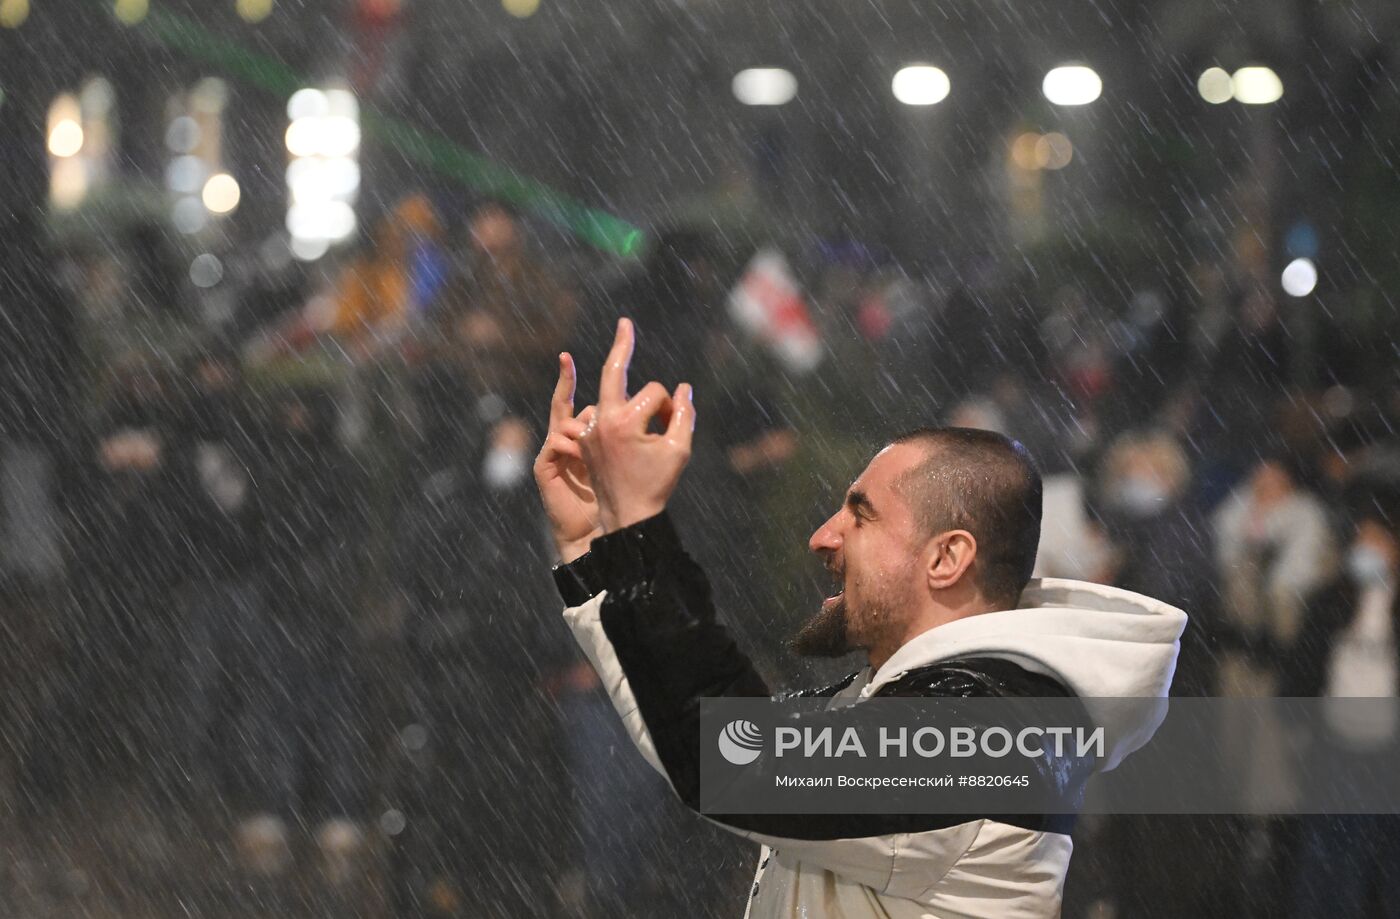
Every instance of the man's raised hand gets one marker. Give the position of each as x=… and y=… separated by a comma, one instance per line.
x=563, y=480
x=633, y=471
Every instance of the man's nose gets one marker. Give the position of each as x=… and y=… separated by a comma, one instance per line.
x=827, y=538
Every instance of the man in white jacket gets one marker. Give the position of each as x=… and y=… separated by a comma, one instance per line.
x=932, y=551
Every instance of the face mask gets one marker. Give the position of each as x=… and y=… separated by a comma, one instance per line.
x=1139, y=497
x=505, y=468
x=1368, y=567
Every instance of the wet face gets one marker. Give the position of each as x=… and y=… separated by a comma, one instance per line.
x=874, y=549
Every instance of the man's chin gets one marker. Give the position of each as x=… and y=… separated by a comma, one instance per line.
x=825, y=633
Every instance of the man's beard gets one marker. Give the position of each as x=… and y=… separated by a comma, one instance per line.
x=824, y=634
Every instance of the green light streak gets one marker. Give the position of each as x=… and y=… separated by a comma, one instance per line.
x=599, y=229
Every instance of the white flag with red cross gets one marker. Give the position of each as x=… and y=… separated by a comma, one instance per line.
x=768, y=304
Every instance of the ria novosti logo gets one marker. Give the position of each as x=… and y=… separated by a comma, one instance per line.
x=740, y=742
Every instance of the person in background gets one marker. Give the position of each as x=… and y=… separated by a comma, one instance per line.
x=39, y=377
x=129, y=565
x=390, y=288
x=1273, y=548
x=298, y=719
x=1151, y=355
x=504, y=316
x=1078, y=349
x=1073, y=543
x=216, y=469
x=1160, y=541
x=1349, y=648
x=39, y=352
x=469, y=846
x=1155, y=542
x=1245, y=376
x=1356, y=445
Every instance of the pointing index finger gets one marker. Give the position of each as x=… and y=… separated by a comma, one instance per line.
x=613, y=386
x=561, y=406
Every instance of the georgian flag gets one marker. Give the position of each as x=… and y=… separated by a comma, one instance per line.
x=768, y=304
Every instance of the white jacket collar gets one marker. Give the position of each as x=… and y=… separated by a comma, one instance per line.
x=1101, y=642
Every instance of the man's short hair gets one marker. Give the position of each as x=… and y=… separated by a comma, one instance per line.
x=987, y=484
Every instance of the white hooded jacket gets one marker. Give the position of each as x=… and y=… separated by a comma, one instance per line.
x=1098, y=641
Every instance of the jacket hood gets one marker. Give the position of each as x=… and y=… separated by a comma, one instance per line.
x=1102, y=642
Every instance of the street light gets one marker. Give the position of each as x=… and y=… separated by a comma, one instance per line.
x=1256, y=86
x=764, y=86
x=1072, y=84
x=921, y=85
x=323, y=177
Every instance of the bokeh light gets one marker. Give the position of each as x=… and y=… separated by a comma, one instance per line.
x=330, y=220
x=302, y=137
x=189, y=215
x=221, y=193
x=206, y=270
x=1257, y=86
x=338, y=135
x=1299, y=278
x=521, y=9
x=254, y=10
x=1072, y=85
x=1215, y=86
x=130, y=12
x=182, y=136
x=97, y=97
x=1023, y=151
x=68, y=183
x=764, y=86
x=209, y=95
x=13, y=13
x=308, y=103
x=186, y=174
x=66, y=138
x=341, y=103
x=921, y=85
x=308, y=249
x=1053, y=151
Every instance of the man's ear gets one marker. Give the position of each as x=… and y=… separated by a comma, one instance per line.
x=952, y=556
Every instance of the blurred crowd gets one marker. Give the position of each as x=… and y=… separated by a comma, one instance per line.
x=314, y=612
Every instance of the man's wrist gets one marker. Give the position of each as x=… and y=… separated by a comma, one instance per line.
x=625, y=517
x=580, y=579
x=630, y=556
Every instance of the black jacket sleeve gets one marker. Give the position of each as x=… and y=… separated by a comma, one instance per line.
x=660, y=620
